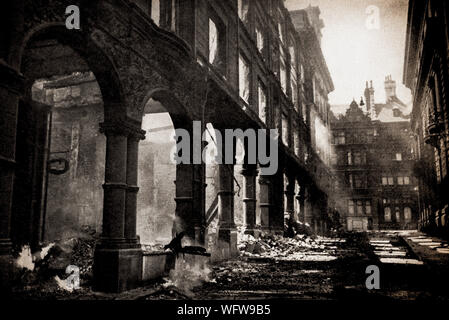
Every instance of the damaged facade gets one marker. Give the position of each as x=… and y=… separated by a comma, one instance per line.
x=89, y=118
x=426, y=74
x=373, y=162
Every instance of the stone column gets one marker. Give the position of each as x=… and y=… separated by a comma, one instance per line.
x=132, y=185
x=308, y=213
x=115, y=184
x=277, y=209
x=189, y=194
x=227, y=233
x=300, y=198
x=290, y=197
x=198, y=204
x=117, y=262
x=249, y=173
x=11, y=86
x=264, y=202
x=184, y=200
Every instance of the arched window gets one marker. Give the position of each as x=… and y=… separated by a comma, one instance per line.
x=407, y=214
x=387, y=214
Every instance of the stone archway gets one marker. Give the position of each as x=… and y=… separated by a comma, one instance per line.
x=187, y=179
x=117, y=258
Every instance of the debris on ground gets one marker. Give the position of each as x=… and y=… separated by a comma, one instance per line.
x=46, y=269
x=300, y=247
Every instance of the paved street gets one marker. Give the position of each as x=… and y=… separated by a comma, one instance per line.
x=411, y=268
x=403, y=274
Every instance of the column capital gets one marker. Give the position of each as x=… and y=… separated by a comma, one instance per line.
x=122, y=128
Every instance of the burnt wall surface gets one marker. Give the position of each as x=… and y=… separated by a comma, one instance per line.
x=156, y=198
x=74, y=198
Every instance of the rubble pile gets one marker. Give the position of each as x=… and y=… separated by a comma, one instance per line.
x=45, y=270
x=83, y=256
x=300, y=247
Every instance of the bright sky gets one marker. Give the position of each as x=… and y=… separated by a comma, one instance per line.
x=354, y=53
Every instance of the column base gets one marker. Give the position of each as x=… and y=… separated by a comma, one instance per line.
x=227, y=243
x=277, y=231
x=255, y=231
x=117, y=268
x=6, y=267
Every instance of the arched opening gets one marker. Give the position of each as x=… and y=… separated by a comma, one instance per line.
x=60, y=152
x=156, y=204
x=76, y=156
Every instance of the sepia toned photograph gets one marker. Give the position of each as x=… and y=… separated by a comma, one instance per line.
x=224, y=156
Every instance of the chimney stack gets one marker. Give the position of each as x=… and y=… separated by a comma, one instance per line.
x=369, y=97
x=390, y=87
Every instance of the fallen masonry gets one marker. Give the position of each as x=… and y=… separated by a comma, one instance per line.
x=299, y=248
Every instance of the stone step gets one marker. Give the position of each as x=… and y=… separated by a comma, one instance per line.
x=391, y=254
x=400, y=261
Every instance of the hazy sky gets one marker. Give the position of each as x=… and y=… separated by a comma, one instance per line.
x=355, y=53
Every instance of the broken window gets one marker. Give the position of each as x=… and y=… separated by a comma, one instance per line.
x=155, y=11
x=357, y=158
x=294, y=88
x=407, y=214
x=339, y=137
x=390, y=181
x=244, y=78
x=406, y=180
x=293, y=73
x=285, y=129
x=351, y=207
x=243, y=6
x=387, y=214
x=333, y=159
x=283, y=72
x=217, y=45
x=301, y=73
x=359, y=181
x=368, y=207
x=260, y=39
x=305, y=116
x=397, y=213
x=296, y=138
x=173, y=13
x=360, y=207
x=167, y=14
x=262, y=102
x=350, y=179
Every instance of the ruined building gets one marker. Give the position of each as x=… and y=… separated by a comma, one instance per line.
x=426, y=74
x=89, y=115
x=373, y=163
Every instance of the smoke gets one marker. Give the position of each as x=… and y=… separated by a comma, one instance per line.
x=27, y=260
x=190, y=272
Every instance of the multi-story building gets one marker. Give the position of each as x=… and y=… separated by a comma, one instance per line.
x=372, y=160
x=426, y=74
x=76, y=101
